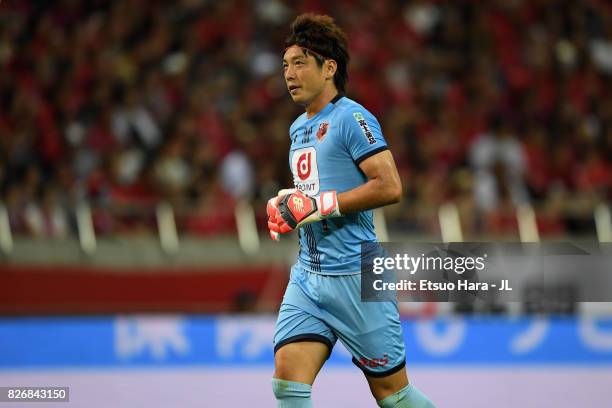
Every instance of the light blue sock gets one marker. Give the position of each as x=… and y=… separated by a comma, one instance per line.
x=291, y=394
x=407, y=397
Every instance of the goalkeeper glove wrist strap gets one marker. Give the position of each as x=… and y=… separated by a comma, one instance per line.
x=327, y=204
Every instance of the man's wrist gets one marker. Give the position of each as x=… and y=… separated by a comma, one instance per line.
x=327, y=204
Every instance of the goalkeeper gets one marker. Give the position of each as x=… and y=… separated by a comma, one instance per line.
x=342, y=169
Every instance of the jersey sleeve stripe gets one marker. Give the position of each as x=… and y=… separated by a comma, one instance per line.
x=370, y=154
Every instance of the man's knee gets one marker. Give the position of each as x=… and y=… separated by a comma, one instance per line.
x=299, y=362
x=287, y=368
x=282, y=367
x=382, y=387
x=387, y=388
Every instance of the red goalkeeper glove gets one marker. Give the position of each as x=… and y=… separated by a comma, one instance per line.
x=291, y=209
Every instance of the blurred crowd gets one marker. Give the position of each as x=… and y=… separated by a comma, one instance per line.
x=489, y=105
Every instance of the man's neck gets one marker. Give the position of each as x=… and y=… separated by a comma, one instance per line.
x=321, y=101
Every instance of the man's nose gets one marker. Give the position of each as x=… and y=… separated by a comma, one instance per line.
x=289, y=73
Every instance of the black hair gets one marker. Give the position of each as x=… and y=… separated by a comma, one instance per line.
x=320, y=35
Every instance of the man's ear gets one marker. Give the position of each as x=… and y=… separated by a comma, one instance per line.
x=330, y=68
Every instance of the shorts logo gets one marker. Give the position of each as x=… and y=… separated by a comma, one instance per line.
x=322, y=131
x=374, y=362
x=364, y=127
x=305, y=170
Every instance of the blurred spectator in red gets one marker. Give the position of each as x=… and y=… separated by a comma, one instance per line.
x=129, y=101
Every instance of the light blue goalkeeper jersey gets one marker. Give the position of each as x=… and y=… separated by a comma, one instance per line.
x=325, y=154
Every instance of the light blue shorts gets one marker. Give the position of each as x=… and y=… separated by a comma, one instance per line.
x=325, y=308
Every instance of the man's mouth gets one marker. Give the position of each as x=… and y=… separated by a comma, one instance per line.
x=293, y=88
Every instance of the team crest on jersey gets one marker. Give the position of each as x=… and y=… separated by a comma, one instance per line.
x=364, y=127
x=322, y=131
x=305, y=170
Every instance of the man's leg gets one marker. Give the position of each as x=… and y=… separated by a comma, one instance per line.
x=394, y=391
x=302, y=342
x=296, y=366
x=372, y=332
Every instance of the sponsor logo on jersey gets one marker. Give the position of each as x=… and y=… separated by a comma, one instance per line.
x=322, y=131
x=306, y=135
x=364, y=127
x=304, y=166
x=305, y=170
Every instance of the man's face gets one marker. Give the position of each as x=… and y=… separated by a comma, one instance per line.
x=304, y=77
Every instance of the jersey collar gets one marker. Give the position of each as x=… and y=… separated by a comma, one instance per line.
x=327, y=107
x=337, y=98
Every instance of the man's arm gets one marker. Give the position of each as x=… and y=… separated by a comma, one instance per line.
x=291, y=209
x=382, y=188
